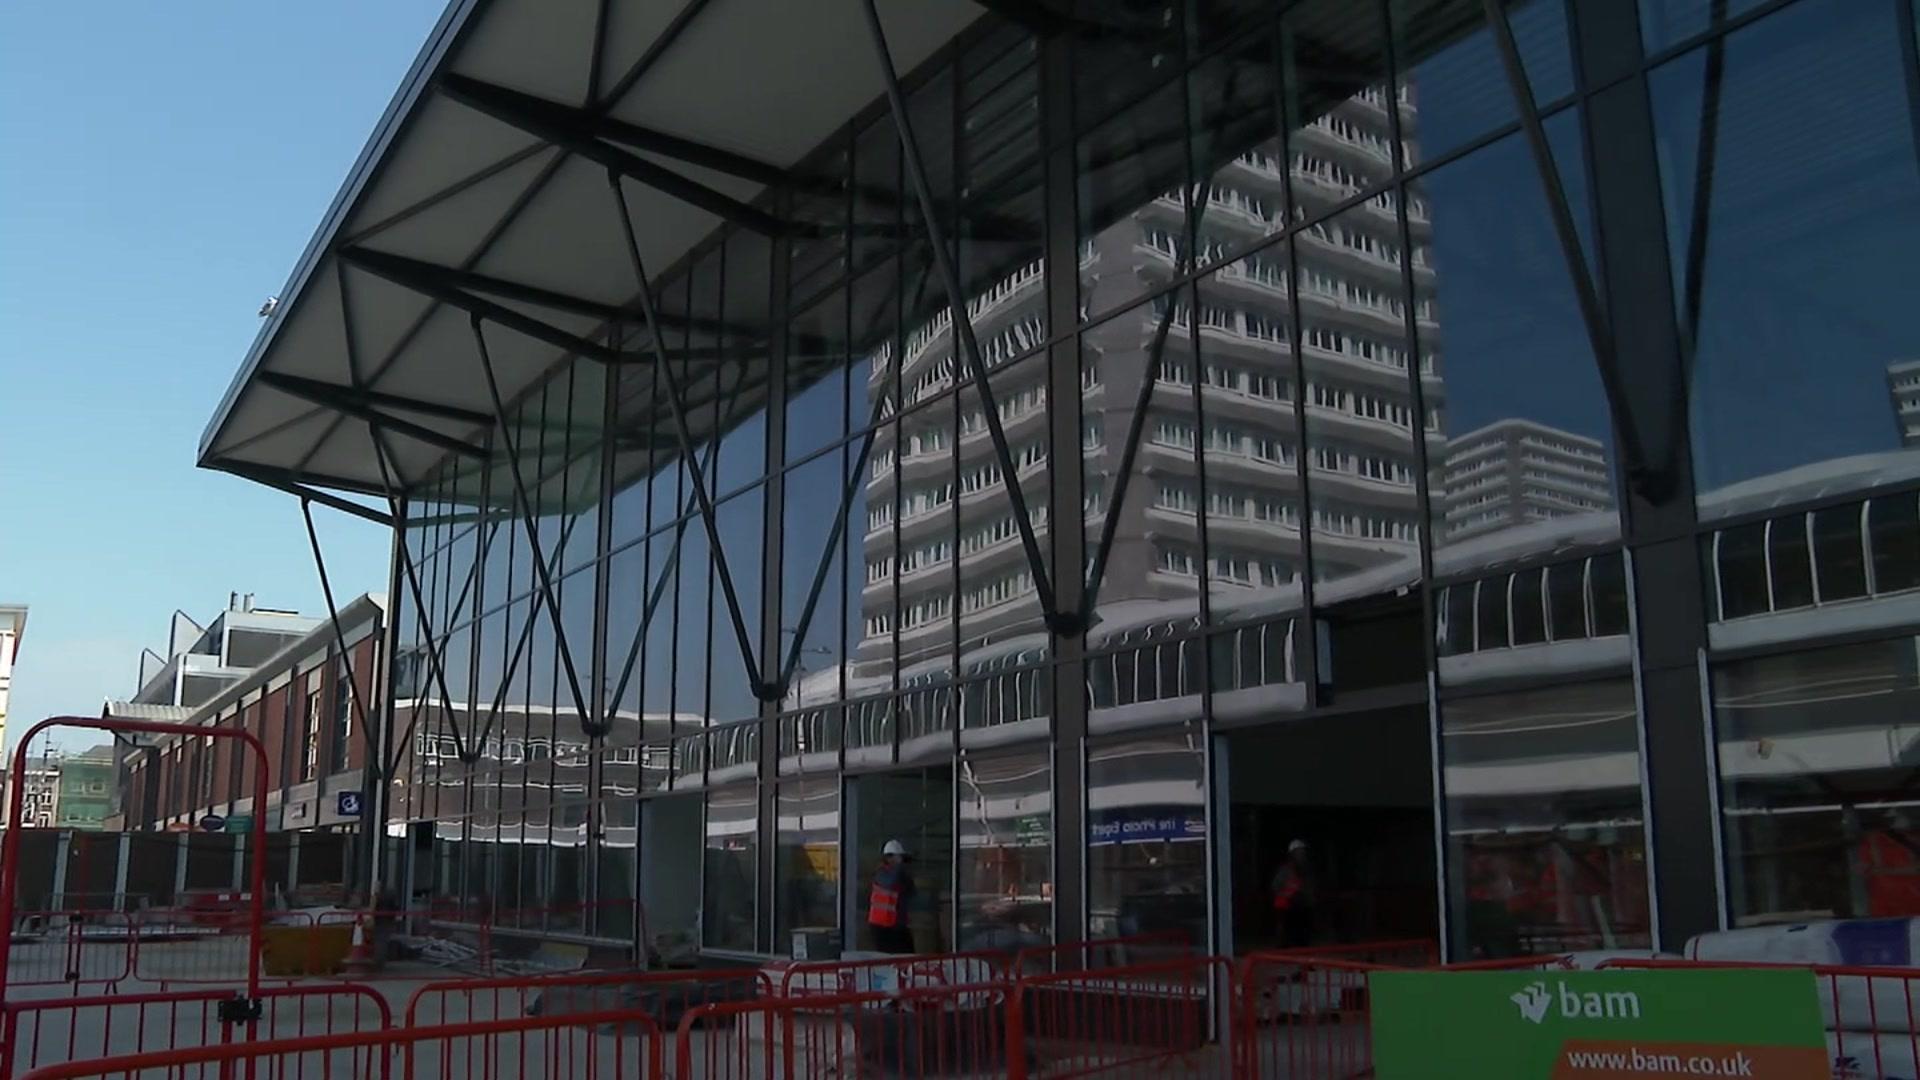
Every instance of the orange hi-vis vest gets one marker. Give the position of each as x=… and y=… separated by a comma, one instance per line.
x=883, y=903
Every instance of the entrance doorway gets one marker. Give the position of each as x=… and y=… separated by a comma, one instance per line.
x=915, y=807
x=1357, y=789
x=670, y=848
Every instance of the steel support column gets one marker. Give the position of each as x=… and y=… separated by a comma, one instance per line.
x=1066, y=680
x=1668, y=610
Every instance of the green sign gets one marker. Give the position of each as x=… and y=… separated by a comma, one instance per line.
x=240, y=823
x=1597, y=1025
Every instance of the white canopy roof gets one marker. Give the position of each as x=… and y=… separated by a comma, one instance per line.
x=486, y=182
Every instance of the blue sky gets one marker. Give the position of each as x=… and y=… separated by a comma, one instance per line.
x=164, y=166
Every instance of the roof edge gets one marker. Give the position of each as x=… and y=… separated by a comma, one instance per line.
x=399, y=112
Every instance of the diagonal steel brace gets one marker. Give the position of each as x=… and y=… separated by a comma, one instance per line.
x=1060, y=622
x=650, y=312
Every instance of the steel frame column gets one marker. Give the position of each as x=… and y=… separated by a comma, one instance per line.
x=1668, y=609
x=1066, y=680
x=772, y=557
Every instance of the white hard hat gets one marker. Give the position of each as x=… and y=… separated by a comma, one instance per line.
x=894, y=847
x=1297, y=845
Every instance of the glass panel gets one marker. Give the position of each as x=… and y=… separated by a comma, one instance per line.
x=1740, y=569
x=1812, y=113
x=1529, y=608
x=1359, y=404
x=999, y=603
x=1893, y=527
x=813, y=493
x=1816, y=773
x=688, y=669
x=1545, y=838
x=1788, y=564
x=615, y=865
x=1133, y=176
x=1838, y=556
x=1152, y=572
x=580, y=489
x=1453, y=75
x=872, y=577
x=1119, y=51
x=738, y=385
x=923, y=569
x=1250, y=441
x=1006, y=851
x=870, y=732
x=1152, y=679
x=817, y=377
x=1520, y=443
x=1001, y=219
x=1147, y=838
x=806, y=868
x=1664, y=23
x=727, y=901
x=742, y=523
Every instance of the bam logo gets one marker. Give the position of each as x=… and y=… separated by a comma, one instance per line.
x=1536, y=1001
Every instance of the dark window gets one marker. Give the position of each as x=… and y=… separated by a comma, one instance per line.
x=1740, y=569
x=1894, y=521
x=1840, y=563
x=1492, y=609
x=1607, y=585
x=1789, y=564
x=1529, y=608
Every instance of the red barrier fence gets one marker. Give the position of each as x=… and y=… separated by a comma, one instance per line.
x=888, y=973
x=72, y=948
x=1872, y=1014
x=54, y=1030
x=594, y=1046
x=664, y=995
x=944, y=1032
x=1105, y=952
x=1144, y=1020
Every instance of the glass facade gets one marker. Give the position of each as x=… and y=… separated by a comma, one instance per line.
x=1303, y=387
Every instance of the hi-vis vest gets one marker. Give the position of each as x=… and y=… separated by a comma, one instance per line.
x=883, y=903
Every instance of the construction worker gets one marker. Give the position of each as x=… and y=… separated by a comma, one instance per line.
x=889, y=901
x=1294, y=897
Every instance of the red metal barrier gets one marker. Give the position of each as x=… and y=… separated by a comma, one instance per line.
x=1872, y=1014
x=40, y=1033
x=1137, y=1021
x=71, y=948
x=883, y=974
x=1105, y=952
x=598, y=1046
x=196, y=945
x=664, y=995
x=16, y=795
x=1306, y=1014
x=945, y=1032
x=1303, y=1017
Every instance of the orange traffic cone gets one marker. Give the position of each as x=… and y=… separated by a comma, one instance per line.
x=360, y=959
